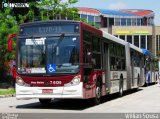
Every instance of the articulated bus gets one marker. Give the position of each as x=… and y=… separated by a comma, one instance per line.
x=150, y=67
x=72, y=60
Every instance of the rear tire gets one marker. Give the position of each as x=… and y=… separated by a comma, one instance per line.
x=121, y=87
x=138, y=81
x=45, y=101
x=97, y=99
x=146, y=84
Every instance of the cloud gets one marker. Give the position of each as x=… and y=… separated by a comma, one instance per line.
x=117, y=5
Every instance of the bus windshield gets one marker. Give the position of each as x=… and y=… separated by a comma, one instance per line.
x=49, y=55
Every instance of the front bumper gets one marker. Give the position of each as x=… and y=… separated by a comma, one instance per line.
x=70, y=92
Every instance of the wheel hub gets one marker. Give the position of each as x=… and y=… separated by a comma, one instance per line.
x=98, y=92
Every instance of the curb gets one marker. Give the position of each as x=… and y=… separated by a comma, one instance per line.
x=6, y=96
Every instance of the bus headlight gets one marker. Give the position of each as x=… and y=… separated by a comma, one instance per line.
x=20, y=81
x=75, y=81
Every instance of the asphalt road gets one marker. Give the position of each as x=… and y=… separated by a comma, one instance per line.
x=145, y=100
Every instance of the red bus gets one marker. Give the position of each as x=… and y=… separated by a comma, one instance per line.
x=72, y=60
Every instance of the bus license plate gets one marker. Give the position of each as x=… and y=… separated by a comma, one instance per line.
x=47, y=91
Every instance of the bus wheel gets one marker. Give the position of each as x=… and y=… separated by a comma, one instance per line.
x=156, y=79
x=121, y=86
x=97, y=99
x=45, y=101
x=138, y=81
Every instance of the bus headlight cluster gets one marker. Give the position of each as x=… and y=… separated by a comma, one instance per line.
x=75, y=81
x=20, y=81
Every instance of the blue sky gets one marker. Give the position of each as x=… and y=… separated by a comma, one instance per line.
x=153, y=5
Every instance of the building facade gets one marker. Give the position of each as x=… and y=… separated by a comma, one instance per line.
x=132, y=25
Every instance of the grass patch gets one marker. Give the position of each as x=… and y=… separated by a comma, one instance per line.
x=9, y=91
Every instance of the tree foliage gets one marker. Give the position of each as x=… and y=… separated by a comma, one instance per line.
x=58, y=9
x=8, y=25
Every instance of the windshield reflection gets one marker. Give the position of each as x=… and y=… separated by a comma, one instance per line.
x=60, y=52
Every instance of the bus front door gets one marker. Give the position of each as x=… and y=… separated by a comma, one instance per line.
x=106, y=65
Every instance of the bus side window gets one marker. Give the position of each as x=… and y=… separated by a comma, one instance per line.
x=87, y=54
x=113, y=63
x=123, y=64
x=118, y=63
x=87, y=57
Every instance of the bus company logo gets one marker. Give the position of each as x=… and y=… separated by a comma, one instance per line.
x=14, y=5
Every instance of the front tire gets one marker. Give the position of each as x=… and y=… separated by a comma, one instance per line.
x=97, y=99
x=45, y=101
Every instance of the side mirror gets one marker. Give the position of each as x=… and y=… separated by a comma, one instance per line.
x=10, y=43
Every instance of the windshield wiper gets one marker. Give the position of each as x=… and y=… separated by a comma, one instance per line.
x=61, y=38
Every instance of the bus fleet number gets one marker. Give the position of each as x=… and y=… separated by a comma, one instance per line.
x=55, y=82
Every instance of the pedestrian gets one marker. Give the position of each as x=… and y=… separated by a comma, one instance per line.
x=14, y=75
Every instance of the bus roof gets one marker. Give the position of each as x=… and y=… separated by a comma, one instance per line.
x=113, y=38
x=120, y=41
x=135, y=48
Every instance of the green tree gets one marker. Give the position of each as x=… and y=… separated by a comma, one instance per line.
x=58, y=9
x=8, y=25
x=47, y=10
x=25, y=14
x=30, y=15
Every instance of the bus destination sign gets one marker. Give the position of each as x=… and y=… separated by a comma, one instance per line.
x=48, y=29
